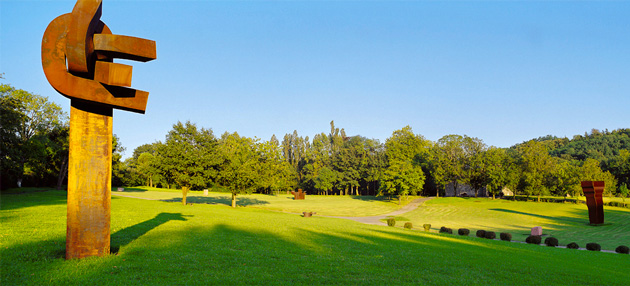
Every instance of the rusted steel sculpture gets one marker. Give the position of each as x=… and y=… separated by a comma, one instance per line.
x=593, y=191
x=299, y=195
x=77, y=56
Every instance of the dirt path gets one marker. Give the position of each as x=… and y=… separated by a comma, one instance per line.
x=377, y=219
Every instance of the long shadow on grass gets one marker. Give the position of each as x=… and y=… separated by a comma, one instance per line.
x=129, y=234
x=575, y=220
x=222, y=200
x=16, y=200
x=370, y=198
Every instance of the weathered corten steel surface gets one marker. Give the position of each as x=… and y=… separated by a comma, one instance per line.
x=77, y=57
x=83, y=47
x=89, y=181
x=593, y=191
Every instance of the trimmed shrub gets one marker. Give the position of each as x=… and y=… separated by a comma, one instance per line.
x=551, y=241
x=592, y=246
x=622, y=249
x=490, y=235
x=446, y=230
x=408, y=225
x=573, y=245
x=427, y=226
x=505, y=236
x=481, y=233
x=533, y=239
x=391, y=221
x=463, y=231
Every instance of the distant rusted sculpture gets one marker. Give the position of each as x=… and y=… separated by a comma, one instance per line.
x=77, y=56
x=299, y=195
x=593, y=191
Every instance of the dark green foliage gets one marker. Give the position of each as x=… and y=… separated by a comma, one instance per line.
x=573, y=245
x=622, y=249
x=490, y=235
x=505, y=236
x=533, y=239
x=391, y=221
x=427, y=226
x=551, y=241
x=446, y=230
x=481, y=233
x=408, y=225
x=463, y=231
x=593, y=246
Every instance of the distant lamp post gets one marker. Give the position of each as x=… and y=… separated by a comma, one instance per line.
x=77, y=56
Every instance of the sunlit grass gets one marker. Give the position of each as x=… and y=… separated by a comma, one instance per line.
x=322, y=205
x=567, y=222
x=162, y=243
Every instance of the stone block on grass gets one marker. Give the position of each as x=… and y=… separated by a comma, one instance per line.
x=537, y=231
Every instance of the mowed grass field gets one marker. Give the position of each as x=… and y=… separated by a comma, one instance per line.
x=322, y=205
x=167, y=243
x=567, y=222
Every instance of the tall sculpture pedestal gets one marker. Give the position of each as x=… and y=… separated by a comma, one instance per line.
x=89, y=181
x=593, y=191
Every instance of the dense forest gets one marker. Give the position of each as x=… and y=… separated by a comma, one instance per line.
x=34, y=153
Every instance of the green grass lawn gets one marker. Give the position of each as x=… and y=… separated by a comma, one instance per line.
x=162, y=243
x=567, y=222
x=322, y=205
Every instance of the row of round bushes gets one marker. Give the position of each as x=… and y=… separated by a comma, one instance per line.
x=532, y=239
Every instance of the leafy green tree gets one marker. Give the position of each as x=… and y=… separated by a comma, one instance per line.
x=238, y=164
x=619, y=166
x=273, y=173
x=325, y=179
x=591, y=171
x=566, y=179
x=475, y=165
x=147, y=168
x=448, y=161
x=536, y=167
x=623, y=192
x=403, y=175
x=36, y=117
x=500, y=170
x=188, y=156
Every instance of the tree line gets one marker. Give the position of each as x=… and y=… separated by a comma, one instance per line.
x=34, y=153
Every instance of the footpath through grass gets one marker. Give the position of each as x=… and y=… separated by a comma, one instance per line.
x=322, y=205
x=161, y=243
x=567, y=222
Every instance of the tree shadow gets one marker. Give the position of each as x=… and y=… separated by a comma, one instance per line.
x=126, y=189
x=21, y=199
x=371, y=198
x=129, y=234
x=569, y=219
x=221, y=200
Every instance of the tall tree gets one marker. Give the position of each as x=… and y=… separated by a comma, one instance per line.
x=536, y=167
x=403, y=175
x=448, y=157
x=188, y=157
x=501, y=170
x=37, y=117
x=238, y=164
x=475, y=164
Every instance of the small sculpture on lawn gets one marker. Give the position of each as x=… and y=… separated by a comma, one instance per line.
x=78, y=50
x=299, y=195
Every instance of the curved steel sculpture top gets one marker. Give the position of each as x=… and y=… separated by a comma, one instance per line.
x=88, y=46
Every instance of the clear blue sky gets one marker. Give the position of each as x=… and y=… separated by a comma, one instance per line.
x=504, y=72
